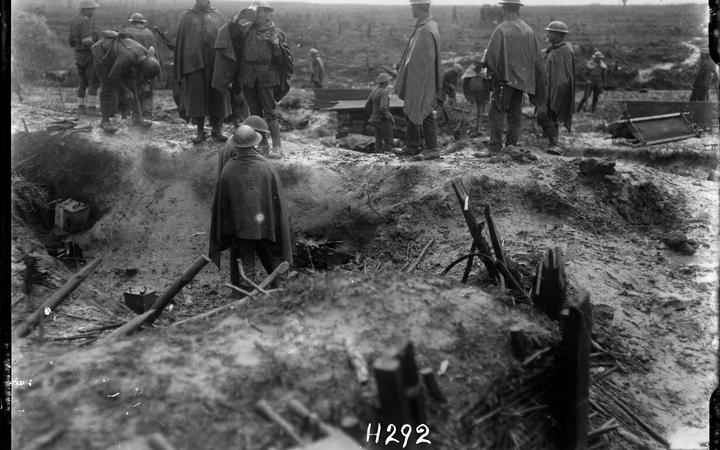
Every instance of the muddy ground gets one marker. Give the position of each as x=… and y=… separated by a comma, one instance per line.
x=654, y=309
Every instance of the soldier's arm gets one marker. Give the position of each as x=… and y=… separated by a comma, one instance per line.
x=86, y=33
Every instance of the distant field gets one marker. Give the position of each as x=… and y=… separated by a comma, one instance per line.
x=357, y=40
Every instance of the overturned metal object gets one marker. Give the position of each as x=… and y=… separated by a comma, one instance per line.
x=654, y=129
x=702, y=114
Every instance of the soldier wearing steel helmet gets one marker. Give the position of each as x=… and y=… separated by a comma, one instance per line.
x=82, y=36
x=595, y=72
x=123, y=66
x=265, y=65
x=138, y=32
x=514, y=63
x=419, y=83
x=318, y=69
x=559, y=64
x=249, y=211
x=450, y=81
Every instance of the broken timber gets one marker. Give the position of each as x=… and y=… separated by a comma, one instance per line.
x=703, y=114
x=478, y=241
x=154, y=312
x=61, y=294
x=550, y=284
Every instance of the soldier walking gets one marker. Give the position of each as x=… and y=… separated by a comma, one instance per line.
x=595, y=73
x=419, y=84
x=513, y=61
x=262, y=66
x=559, y=63
x=194, y=63
x=318, y=70
x=139, y=33
x=82, y=36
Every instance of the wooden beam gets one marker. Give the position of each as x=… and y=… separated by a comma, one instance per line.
x=61, y=294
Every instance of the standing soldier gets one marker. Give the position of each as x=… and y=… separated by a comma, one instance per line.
x=249, y=211
x=194, y=62
x=82, y=36
x=318, y=70
x=382, y=120
x=419, y=84
x=513, y=60
x=262, y=63
x=476, y=88
x=450, y=81
x=705, y=77
x=123, y=65
x=559, y=63
x=139, y=33
x=595, y=74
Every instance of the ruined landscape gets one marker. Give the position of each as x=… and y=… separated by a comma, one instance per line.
x=637, y=228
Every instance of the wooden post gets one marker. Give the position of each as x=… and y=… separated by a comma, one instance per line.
x=154, y=312
x=389, y=380
x=433, y=388
x=61, y=294
x=575, y=377
x=411, y=382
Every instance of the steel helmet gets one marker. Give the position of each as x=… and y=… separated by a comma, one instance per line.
x=511, y=2
x=137, y=17
x=261, y=4
x=245, y=136
x=383, y=78
x=558, y=26
x=88, y=4
x=458, y=68
x=150, y=67
x=419, y=2
x=314, y=51
x=598, y=54
x=257, y=123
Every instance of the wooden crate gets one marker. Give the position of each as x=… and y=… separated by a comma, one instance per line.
x=72, y=216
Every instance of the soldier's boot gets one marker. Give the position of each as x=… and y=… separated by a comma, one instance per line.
x=81, y=105
x=277, y=152
x=200, y=135
x=108, y=126
x=217, y=134
x=140, y=121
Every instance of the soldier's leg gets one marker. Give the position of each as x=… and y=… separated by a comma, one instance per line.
x=268, y=105
x=496, y=117
x=377, y=132
x=514, y=115
x=586, y=94
x=93, y=85
x=596, y=96
x=82, y=87
x=548, y=127
x=430, y=131
x=200, y=124
x=245, y=250
x=270, y=255
x=387, y=135
x=412, y=138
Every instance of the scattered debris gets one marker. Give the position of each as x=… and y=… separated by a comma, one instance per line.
x=141, y=301
x=322, y=256
x=592, y=167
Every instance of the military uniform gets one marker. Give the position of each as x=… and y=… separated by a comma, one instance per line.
x=260, y=68
x=378, y=104
x=81, y=28
x=146, y=38
x=194, y=64
x=117, y=63
x=595, y=73
x=318, y=73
